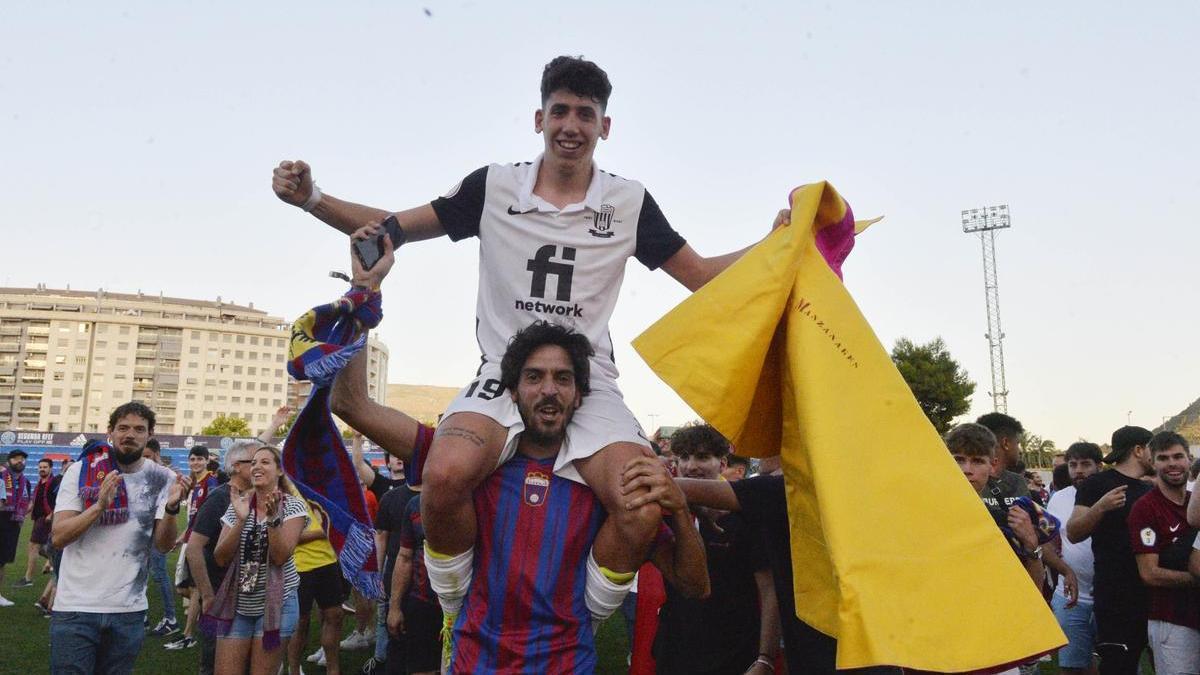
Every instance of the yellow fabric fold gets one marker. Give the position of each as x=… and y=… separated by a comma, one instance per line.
x=893, y=553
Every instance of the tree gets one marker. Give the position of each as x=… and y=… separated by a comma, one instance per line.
x=1037, y=451
x=941, y=386
x=227, y=426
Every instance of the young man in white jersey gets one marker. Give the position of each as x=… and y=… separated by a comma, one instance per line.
x=554, y=236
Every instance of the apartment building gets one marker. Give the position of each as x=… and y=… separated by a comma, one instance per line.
x=67, y=358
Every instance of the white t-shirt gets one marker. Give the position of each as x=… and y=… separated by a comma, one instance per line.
x=539, y=262
x=1078, y=556
x=105, y=570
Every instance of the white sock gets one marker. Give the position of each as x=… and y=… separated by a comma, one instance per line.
x=602, y=595
x=449, y=576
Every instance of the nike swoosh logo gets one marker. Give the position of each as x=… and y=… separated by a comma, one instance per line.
x=514, y=212
x=1174, y=528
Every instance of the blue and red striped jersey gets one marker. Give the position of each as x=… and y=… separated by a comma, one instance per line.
x=525, y=610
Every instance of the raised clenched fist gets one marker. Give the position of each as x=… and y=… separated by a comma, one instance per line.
x=292, y=182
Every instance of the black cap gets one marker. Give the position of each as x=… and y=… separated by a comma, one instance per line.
x=17, y=452
x=1124, y=440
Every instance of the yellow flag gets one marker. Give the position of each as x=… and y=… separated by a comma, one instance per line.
x=893, y=552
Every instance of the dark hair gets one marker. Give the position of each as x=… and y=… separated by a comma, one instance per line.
x=580, y=77
x=1001, y=425
x=1084, y=450
x=198, y=451
x=972, y=440
x=1195, y=470
x=1165, y=440
x=152, y=444
x=47, y=460
x=132, y=408
x=1127, y=438
x=539, y=334
x=696, y=437
x=1061, y=479
x=738, y=460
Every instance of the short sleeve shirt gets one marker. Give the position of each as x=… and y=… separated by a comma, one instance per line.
x=763, y=502
x=208, y=524
x=1155, y=523
x=412, y=537
x=1116, y=570
x=561, y=265
x=717, y=634
x=253, y=602
x=1077, y=556
x=104, y=571
x=390, y=520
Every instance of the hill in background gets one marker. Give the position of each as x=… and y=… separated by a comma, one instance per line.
x=1186, y=423
x=420, y=401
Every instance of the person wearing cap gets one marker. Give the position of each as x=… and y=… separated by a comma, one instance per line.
x=1102, y=506
x=16, y=496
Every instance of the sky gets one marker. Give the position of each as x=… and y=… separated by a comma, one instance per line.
x=137, y=141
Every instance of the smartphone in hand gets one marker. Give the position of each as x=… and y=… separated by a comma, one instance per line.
x=369, y=251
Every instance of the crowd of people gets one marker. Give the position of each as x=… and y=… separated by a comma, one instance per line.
x=1118, y=563
x=538, y=507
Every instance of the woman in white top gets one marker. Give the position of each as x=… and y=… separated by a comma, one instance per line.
x=255, y=609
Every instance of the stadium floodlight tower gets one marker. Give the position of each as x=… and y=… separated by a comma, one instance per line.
x=985, y=222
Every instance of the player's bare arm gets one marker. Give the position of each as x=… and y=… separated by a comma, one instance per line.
x=1155, y=576
x=293, y=183
x=387, y=427
x=714, y=494
x=1084, y=519
x=693, y=271
x=683, y=563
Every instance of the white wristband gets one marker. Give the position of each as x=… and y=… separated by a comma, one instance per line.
x=313, y=199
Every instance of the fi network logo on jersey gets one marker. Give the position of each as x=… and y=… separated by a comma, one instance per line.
x=602, y=221
x=544, y=265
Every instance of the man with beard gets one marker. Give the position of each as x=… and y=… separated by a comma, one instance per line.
x=16, y=495
x=1157, y=524
x=526, y=607
x=110, y=504
x=736, y=628
x=1072, y=600
x=1102, y=505
x=40, y=510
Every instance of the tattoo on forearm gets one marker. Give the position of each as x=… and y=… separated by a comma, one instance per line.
x=460, y=432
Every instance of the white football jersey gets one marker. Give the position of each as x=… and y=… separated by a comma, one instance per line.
x=539, y=262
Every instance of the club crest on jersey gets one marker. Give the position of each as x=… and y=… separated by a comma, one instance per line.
x=602, y=221
x=1148, y=536
x=537, y=486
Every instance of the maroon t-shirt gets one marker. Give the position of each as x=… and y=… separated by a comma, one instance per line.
x=1155, y=523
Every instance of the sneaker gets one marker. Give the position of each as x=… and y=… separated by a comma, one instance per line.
x=373, y=666
x=23, y=583
x=165, y=627
x=354, y=641
x=184, y=642
x=5, y=602
x=321, y=661
x=316, y=656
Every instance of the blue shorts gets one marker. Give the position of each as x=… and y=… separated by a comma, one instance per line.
x=252, y=626
x=1079, y=624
